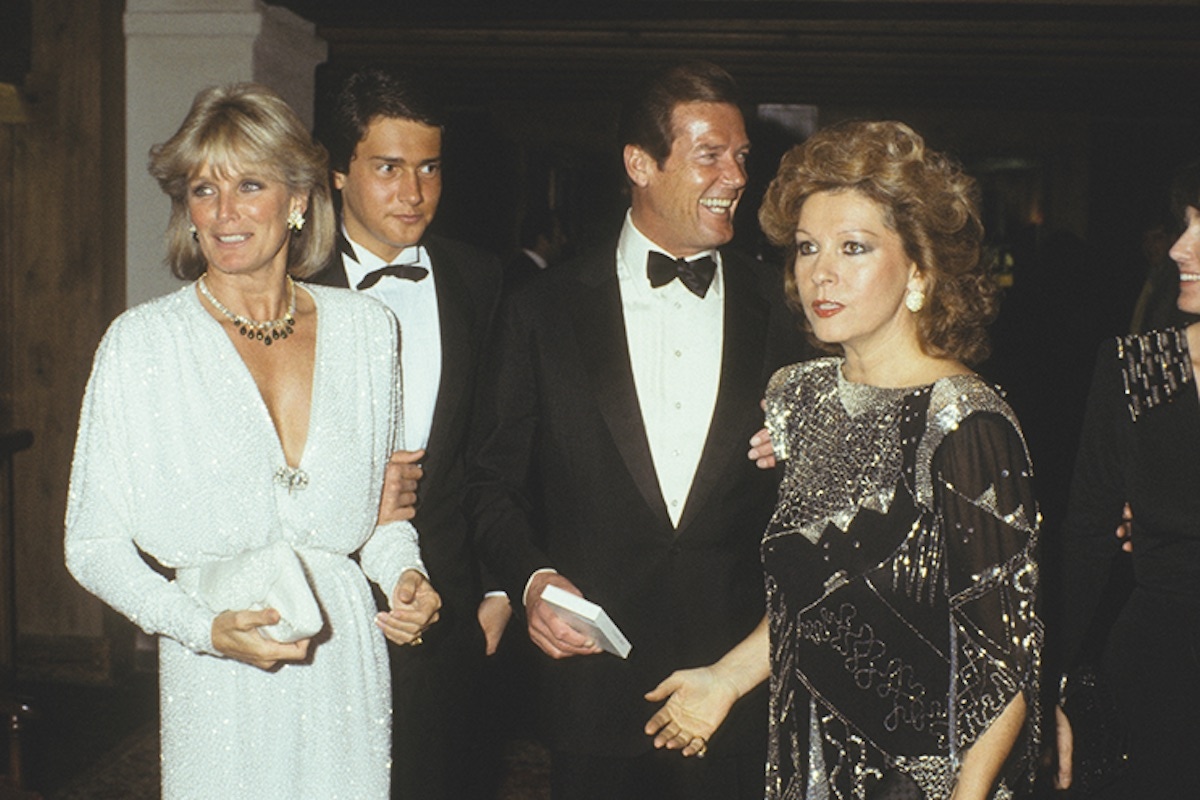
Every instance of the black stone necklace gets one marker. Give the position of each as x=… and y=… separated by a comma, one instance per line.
x=266, y=331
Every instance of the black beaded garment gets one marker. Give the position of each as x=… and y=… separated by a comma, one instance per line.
x=1139, y=445
x=901, y=584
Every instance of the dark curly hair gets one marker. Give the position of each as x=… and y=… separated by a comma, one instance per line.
x=926, y=199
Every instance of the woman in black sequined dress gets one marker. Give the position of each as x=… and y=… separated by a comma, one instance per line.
x=901, y=637
x=1140, y=438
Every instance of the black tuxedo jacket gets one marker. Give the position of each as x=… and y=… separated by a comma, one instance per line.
x=519, y=270
x=562, y=477
x=468, y=290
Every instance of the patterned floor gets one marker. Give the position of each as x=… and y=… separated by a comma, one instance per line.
x=130, y=772
x=99, y=741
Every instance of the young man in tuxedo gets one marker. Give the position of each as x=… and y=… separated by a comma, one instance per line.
x=609, y=457
x=385, y=145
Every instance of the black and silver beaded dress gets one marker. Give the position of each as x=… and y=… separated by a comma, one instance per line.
x=901, y=583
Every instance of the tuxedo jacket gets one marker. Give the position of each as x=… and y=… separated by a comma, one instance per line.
x=562, y=477
x=468, y=284
x=519, y=270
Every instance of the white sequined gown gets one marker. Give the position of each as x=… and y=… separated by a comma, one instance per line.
x=177, y=456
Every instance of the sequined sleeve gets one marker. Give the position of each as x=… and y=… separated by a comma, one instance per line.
x=394, y=546
x=782, y=399
x=983, y=494
x=100, y=528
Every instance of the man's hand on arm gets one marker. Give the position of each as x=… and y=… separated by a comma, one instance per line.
x=400, y=478
x=1125, y=529
x=762, y=450
x=548, y=631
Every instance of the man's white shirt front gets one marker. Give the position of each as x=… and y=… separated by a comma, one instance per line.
x=675, y=342
x=415, y=305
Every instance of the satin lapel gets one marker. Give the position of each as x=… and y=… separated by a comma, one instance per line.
x=604, y=354
x=455, y=330
x=743, y=351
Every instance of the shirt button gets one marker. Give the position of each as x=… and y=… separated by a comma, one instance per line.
x=679, y=354
x=678, y=405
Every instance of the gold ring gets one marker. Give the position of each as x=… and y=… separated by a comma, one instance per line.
x=417, y=641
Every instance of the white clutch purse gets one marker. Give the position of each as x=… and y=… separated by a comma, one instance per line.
x=266, y=577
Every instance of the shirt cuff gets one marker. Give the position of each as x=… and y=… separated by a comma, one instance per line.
x=536, y=572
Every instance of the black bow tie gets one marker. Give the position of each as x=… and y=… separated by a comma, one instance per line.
x=409, y=272
x=696, y=275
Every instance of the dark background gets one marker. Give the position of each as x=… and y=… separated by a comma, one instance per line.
x=1073, y=115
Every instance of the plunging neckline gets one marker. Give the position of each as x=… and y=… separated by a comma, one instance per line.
x=313, y=405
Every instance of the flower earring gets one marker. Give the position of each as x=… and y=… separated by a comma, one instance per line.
x=195, y=233
x=295, y=221
x=914, y=301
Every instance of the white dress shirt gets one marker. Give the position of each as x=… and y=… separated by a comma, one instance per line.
x=675, y=340
x=415, y=305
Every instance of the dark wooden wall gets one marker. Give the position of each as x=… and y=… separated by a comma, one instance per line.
x=61, y=282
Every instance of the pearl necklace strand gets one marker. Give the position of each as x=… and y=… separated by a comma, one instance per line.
x=266, y=331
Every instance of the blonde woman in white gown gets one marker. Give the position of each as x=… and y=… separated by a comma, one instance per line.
x=240, y=410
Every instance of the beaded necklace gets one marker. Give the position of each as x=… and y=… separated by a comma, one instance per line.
x=266, y=331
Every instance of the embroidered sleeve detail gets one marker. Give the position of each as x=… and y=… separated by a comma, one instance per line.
x=952, y=401
x=1155, y=366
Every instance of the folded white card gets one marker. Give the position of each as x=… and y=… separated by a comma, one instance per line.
x=589, y=619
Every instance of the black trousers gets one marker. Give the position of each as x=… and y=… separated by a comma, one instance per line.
x=440, y=747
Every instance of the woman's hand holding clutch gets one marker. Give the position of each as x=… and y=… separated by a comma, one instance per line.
x=235, y=635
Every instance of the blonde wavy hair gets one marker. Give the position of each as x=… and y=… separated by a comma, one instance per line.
x=240, y=125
